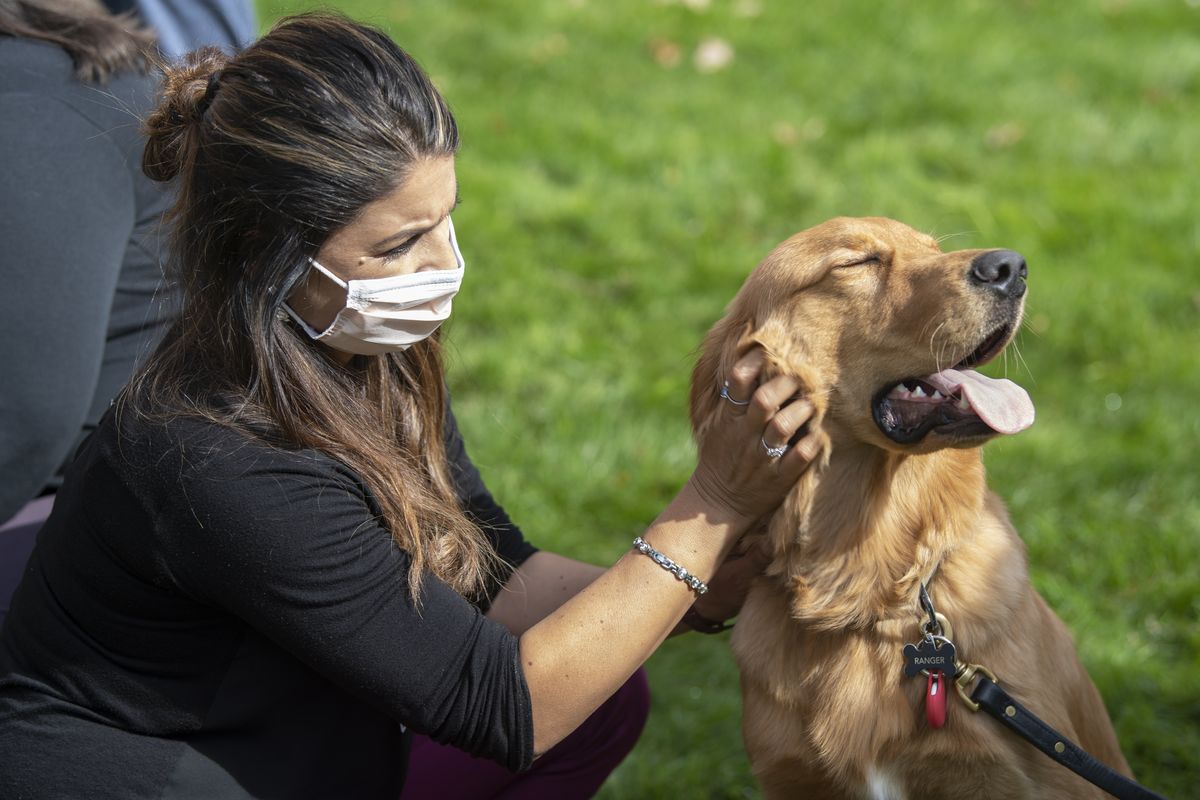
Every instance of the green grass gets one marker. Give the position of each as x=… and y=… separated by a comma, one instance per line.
x=613, y=205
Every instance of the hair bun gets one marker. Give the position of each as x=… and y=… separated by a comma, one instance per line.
x=184, y=97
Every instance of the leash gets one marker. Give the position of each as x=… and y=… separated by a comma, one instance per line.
x=991, y=698
x=935, y=656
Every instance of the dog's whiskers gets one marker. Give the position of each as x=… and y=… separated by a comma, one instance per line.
x=936, y=352
x=1016, y=347
x=1027, y=325
x=947, y=236
x=925, y=327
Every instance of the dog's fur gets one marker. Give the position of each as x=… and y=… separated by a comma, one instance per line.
x=827, y=710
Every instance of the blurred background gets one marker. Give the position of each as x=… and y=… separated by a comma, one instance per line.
x=627, y=162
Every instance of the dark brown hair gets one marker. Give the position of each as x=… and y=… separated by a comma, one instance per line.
x=272, y=150
x=99, y=43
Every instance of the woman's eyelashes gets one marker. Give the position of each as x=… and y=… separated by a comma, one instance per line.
x=401, y=249
x=408, y=244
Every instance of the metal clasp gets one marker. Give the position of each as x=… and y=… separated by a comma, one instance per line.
x=940, y=627
x=966, y=674
x=927, y=606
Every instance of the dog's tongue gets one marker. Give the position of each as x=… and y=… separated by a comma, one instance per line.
x=1002, y=405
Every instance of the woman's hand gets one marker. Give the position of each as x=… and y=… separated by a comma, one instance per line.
x=728, y=588
x=736, y=473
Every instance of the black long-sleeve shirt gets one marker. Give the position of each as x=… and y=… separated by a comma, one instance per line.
x=208, y=616
x=82, y=299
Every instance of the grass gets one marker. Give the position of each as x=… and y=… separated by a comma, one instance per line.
x=615, y=196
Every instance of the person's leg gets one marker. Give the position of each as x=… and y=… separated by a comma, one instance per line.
x=574, y=768
x=17, y=536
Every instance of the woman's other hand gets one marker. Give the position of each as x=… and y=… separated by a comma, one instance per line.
x=728, y=588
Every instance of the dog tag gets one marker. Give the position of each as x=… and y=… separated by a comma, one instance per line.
x=935, y=699
x=932, y=654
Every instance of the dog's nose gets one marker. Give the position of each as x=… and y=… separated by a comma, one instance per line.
x=1001, y=271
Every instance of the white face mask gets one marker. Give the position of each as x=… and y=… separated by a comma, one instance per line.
x=384, y=315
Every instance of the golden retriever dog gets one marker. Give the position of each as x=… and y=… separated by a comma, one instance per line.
x=884, y=331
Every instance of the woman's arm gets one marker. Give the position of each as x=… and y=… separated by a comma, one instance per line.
x=582, y=652
x=539, y=587
x=547, y=580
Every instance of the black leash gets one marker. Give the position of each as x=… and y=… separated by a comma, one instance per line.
x=935, y=653
x=997, y=702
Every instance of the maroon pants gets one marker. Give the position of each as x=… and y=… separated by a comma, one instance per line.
x=573, y=768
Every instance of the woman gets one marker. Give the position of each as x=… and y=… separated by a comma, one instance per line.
x=80, y=266
x=266, y=570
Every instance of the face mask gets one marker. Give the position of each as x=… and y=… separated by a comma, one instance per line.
x=389, y=314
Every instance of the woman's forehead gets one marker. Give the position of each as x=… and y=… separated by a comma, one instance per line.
x=425, y=196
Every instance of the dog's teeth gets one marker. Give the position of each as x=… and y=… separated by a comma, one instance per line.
x=936, y=395
x=918, y=392
x=900, y=391
x=963, y=404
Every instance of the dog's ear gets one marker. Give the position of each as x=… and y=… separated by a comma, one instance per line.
x=725, y=343
x=786, y=352
x=760, y=315
x=789, y=526
x=732, y=337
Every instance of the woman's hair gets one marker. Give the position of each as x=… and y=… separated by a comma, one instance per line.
x=99, y=43
x=273, y=150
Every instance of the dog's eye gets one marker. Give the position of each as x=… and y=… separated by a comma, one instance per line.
x=872, y=259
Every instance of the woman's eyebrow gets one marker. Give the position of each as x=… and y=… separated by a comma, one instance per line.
x=404, y=233
x=416, y=230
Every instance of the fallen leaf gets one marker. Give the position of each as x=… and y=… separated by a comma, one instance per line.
x=785, y=133
x=1004, y=135
x=665, y=52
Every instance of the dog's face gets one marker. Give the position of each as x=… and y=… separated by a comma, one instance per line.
x=887, y=328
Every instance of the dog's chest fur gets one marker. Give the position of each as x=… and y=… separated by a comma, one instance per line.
x=819, y=642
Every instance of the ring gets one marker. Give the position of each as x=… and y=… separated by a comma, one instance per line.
x=773, y=452
x=725, y=396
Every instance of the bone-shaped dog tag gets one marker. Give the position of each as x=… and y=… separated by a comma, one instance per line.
x=933, y=653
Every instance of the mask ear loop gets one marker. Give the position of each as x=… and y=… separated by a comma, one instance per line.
x=329, y=274
x=458, y=256
x=312, y=332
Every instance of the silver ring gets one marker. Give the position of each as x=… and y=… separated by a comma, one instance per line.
x=725, y=396
x=773, y=452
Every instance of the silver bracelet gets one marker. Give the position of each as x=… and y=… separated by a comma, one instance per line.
x=695, y=584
